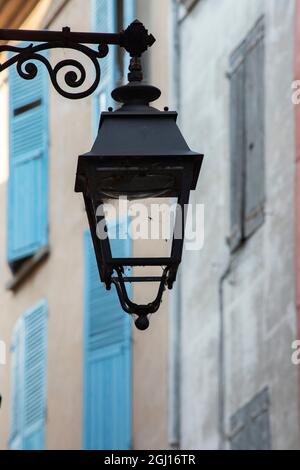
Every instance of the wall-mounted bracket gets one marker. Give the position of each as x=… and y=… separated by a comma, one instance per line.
x=135, y=40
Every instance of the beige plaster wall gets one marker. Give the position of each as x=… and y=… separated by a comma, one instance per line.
x=60, y=277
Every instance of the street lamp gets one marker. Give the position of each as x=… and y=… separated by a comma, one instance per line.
x=139, y=151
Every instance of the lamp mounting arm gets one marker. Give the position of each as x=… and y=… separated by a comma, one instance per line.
x=135, y=40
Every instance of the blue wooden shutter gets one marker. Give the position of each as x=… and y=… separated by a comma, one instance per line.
x=17, y=387
x=105, y=21
x=29, y=364
x=27, y=194
x=107, y=365
x=129, y=15
x=35, y=364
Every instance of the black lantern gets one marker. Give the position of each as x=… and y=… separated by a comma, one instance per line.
x=139, y=153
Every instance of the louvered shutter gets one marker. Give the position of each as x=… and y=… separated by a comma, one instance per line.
x=105, y=21
x=29, y=362
x=129, y=15
x=27, y=194
x=237, y=146
x=255, y=187
x=17, y=387
x=107, y=369
x=35, y=364
x=247, y=136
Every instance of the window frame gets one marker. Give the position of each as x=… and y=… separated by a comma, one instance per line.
x=241, y=158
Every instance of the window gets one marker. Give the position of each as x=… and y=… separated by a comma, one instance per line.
x=28, y=399
x=107, y=360
x=250, y=425
x=247, y=137
x=107, y=329
x=104, y=17
x=128, y=16
x=111, y=16
x=28, y=179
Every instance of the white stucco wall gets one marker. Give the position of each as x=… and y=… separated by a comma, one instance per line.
x=259, y=310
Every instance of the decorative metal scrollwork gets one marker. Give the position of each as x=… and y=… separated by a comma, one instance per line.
x=28, y=70
x=135, y=40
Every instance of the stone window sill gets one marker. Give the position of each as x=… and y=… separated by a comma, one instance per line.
x=27, y=268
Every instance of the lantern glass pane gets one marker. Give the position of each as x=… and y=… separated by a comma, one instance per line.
x=148, y=224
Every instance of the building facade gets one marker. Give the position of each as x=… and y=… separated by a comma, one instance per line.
x=215, y=369
x=239, y=387
x=77, y=373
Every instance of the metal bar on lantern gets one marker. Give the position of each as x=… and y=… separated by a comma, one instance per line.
x=139, y=279
x=54, y=36
x=117, y=262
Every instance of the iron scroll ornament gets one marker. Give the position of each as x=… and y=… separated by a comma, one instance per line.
x=28, y=70
x=135, y=40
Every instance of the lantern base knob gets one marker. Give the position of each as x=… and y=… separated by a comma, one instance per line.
x=142, y=323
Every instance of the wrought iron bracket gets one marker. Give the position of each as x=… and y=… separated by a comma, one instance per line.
x=135, y=40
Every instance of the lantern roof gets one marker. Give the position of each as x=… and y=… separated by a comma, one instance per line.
x=139, y=130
